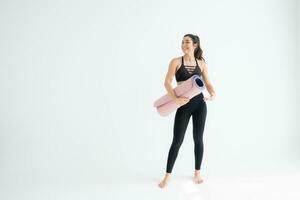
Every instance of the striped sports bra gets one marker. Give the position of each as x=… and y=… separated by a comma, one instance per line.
x=185, y=71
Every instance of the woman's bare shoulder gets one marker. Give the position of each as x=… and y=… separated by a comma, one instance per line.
x=176, y=62
x=202, y=64
x=200, y=61
x=176, y=59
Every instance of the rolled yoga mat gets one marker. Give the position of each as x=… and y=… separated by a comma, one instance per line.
x=189, y=88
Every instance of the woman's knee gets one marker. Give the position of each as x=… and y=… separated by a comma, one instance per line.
x=198, y=142
x=177, y=143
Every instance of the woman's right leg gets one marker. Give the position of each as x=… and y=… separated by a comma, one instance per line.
x=181, y=121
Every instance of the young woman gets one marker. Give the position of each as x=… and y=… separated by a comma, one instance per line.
x=184, y=67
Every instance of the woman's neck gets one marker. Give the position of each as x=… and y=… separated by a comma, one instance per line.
x=189, y=57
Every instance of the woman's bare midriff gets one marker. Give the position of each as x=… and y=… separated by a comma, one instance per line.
x=179, y=82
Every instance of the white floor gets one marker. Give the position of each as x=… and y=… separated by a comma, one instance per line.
x=275, y=186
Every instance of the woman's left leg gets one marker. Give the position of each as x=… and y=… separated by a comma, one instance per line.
x=199, y=118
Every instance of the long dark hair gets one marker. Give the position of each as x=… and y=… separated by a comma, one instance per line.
x=198, y=53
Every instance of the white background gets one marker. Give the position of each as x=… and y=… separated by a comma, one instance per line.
x=78, y=81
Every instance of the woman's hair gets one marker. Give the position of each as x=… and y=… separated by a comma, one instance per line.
x=198, y=53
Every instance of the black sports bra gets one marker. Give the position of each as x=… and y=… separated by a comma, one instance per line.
x=185, y=72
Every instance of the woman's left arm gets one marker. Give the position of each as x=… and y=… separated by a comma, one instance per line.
x=207, y=82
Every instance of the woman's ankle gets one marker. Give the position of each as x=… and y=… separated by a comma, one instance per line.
x=167, y=175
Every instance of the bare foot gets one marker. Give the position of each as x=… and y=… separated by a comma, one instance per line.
x=165, y=181
x=197, y=177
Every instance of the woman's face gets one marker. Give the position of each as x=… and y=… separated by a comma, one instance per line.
x=187, y=45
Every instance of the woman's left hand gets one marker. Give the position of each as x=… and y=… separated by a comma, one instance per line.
x=210, y=98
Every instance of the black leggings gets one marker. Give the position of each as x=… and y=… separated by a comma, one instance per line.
x=196, y=107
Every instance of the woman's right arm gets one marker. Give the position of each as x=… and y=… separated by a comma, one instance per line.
x=169, y=77
x=168, y=83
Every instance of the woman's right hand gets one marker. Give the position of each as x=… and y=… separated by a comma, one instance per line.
x=181, y=100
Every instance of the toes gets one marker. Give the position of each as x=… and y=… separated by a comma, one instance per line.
x=198, y=180
x=162, y=184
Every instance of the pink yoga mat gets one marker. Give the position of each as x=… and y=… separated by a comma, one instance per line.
x=189, y=88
